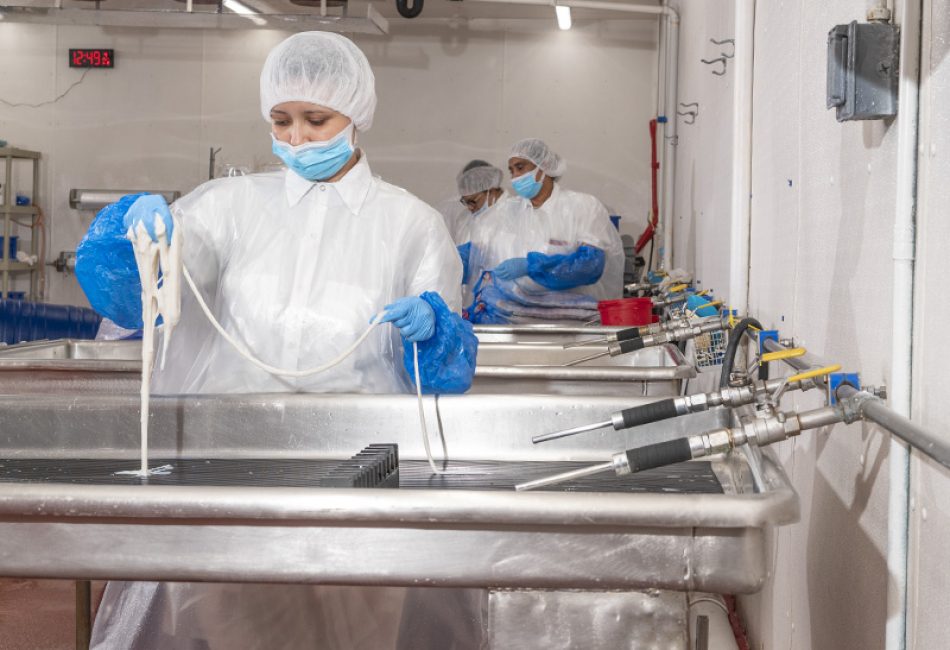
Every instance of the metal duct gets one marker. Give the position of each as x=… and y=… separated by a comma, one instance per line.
x=94, y=200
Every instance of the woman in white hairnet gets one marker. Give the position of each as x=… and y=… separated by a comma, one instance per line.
x=548, y=254
x=294, y=265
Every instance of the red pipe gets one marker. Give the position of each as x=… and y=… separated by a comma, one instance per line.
x=650, y=230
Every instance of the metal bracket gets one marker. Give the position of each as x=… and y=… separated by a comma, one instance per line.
x=721, y=60
x=835, y=379
x=689, y=115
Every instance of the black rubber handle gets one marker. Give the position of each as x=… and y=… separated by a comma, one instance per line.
x=659, y=455
x=628, y=334
x=631, y=345
x=653, y=412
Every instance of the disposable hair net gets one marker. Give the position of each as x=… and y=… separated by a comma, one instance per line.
x=473, y=180
x=320, y=68
x=541, y=155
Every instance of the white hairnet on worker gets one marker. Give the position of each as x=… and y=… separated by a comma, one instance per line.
x=541, y=155
x=321, y=68
x=294, y=265
x=479, y=178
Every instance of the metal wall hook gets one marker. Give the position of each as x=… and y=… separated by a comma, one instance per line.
x=721, y=60
x=689, y=115
x=727, y=41
x=691, y=105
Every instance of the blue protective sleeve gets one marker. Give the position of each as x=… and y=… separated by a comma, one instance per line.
x=464, y=252
x=106, y=269
x=558, y=272
x=447, y=360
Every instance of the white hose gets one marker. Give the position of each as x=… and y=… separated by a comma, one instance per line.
x=422, y=415
x=323, y=368
x=260, y=364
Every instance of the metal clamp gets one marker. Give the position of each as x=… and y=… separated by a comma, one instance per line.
x=721, y=60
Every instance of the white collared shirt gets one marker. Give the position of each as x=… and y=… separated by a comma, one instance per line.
x=295, y=270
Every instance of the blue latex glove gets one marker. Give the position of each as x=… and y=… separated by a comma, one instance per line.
x=144, y=210
x=512, y=269
x=447, y=360
x=414, y=317
x=560, y=272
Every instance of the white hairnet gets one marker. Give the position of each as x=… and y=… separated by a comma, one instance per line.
x=320, y=68
x=478, y=178
x=541, y=155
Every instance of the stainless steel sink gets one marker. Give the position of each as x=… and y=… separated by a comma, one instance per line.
x=467, y=537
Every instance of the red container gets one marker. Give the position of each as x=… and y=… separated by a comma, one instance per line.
x=626, y=311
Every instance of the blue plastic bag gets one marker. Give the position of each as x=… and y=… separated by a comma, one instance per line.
x=560, y=272
x=106, y=268
x=447, y=360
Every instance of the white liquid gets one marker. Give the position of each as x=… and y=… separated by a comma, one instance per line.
x=164, y=301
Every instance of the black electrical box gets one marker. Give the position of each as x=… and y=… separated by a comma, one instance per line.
x=863, y=70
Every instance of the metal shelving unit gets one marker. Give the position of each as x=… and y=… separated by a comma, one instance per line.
x=10, y=211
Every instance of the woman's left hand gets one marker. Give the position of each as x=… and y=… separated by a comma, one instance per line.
x=414, y=317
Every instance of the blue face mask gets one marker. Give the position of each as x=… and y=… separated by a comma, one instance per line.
x=316, y=161
x=526, y=185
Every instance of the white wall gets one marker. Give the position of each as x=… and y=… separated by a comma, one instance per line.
x=823, y=200
x=700, y=228
x=446, y=95
x=823, y=204
x=930, y=483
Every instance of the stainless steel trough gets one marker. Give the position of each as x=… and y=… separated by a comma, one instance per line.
x=460, y=537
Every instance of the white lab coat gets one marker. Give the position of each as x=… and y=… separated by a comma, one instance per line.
x=295, y=270
x=458, y=219
x=565, y=221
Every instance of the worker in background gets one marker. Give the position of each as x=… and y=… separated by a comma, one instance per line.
x=479, y=188
x=294, y=264
x=550, y=253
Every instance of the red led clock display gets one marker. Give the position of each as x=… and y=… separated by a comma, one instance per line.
x=91, y=58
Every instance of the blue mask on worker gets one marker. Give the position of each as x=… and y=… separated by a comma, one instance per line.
x=316, y=161
x=526, y=185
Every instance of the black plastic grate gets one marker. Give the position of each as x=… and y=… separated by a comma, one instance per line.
x=377, y=465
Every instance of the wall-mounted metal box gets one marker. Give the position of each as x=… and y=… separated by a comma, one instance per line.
x=863, y=70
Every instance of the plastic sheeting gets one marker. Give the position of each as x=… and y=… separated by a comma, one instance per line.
x=208, y=616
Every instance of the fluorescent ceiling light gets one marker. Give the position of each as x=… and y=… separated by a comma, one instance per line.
x=244, y=10
x=563, y=16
